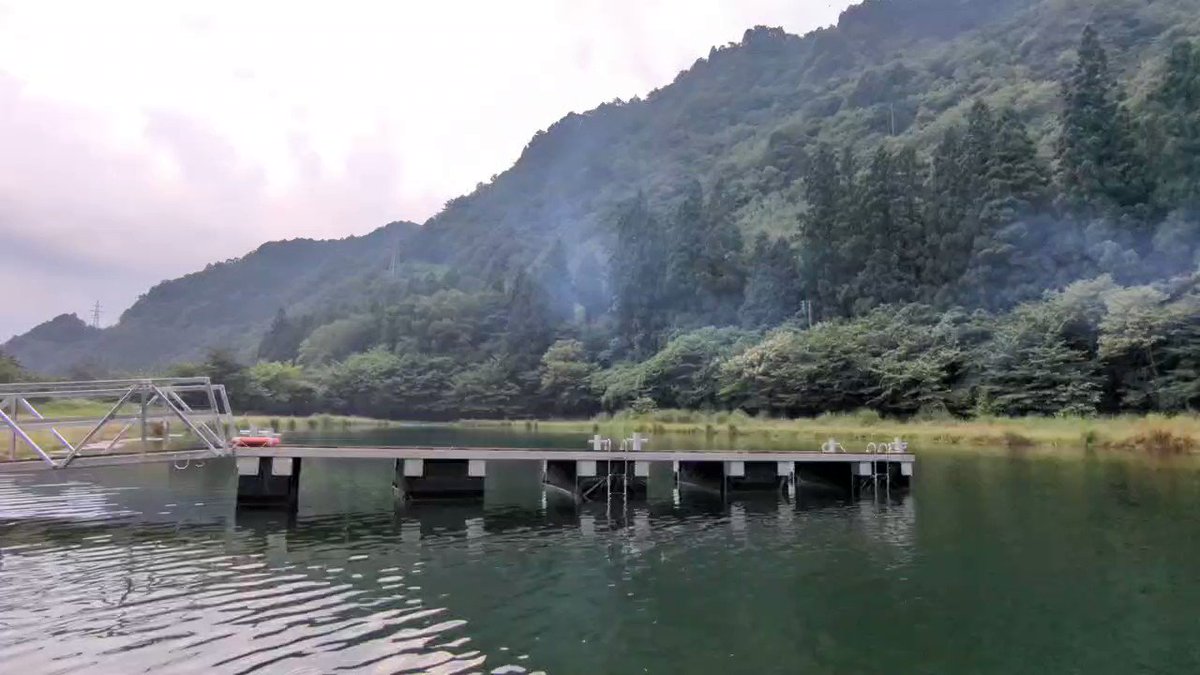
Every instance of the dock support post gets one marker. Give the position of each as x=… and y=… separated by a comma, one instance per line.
x=901, y=473
x=756, y=476
x=704, y=477
x=787, y=476
x=826, y=477
x=269, y=482
x=431, y=479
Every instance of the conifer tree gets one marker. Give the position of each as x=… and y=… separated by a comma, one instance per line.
x=1099, y=166
x=822, y=236
x=721, y=276
x=638, y=279
x=684, y=262
x=591, y=286
x=1174, y=127
x=947, y=239
x=773, y=286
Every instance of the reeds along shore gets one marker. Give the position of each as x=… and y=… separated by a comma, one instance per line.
x=1155, y=434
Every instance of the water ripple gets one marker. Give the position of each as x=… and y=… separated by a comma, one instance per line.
x=100, y=576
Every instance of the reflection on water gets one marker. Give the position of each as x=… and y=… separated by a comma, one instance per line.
x=991, y=565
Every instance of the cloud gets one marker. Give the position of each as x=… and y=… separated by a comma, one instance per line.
x=144, y=139
x=83, y=219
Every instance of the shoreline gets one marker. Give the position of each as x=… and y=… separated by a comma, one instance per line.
x=1149, y=434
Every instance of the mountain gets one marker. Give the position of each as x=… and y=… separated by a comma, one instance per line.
x=228, y=304
x=729, y=150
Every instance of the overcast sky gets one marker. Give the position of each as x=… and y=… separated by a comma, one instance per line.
x=141, y=140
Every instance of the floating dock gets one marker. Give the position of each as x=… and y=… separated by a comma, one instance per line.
x=270, y=476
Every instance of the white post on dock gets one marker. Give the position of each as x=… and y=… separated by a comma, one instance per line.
x=414, y=468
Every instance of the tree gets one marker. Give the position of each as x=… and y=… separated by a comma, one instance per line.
x=1013, y=191
x=10, y=369
x=282, y=339
x=390, y=386
x=339, y=339
x=566, y=378
x=824, y=238
x=720, y=275
x=685, y=261
x=773, y=288
x=1098, y=163
x=895, y=359
x=978, y=148
x=1179, y=360
x=879, y=279
x=273, y=387
x=221, y=366
x=488, y=389
x=557, y=286
x=685, y=373
x=1173, y=126
x=530, y=319
x=1031, y=367
x=638, y=278
x=591, y=286
x=948, y=236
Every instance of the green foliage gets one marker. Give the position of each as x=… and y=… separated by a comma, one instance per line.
x=384, y=385
x=487, y=390
x=566, y=378
x=338, y=339
x=10, y=369
x=1030, y=368
x=638, y=277
x=912, y=182
x=894, y=359
x=620, y=385
x=1172, y=128
x=273, y=387
x=773, y=289
x=685, y=373
x=283, y=339
x=1098, y=161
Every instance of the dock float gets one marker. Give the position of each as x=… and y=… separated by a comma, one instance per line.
x=269, y=476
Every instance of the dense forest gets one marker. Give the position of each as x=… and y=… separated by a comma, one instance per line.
x=975, y=219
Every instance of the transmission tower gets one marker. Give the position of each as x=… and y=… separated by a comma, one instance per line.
x=96, y=315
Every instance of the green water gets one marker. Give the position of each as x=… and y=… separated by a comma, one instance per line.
x=992, y=564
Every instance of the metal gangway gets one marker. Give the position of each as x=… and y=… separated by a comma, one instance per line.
x=37, y=417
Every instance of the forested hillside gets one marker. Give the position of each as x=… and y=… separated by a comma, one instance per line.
x=959, y=205
x=228, y=304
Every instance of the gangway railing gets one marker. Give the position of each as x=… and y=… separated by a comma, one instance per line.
x=32, y=414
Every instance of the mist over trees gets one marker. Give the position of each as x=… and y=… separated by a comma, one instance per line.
x=962, y=207
x=975, y=275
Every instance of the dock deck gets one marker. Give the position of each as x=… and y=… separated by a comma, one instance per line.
x=540, y=454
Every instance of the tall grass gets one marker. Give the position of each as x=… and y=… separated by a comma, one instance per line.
x=310, y=423
x=1154, y=433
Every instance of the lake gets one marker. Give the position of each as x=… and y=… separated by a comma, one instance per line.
x=993, y=563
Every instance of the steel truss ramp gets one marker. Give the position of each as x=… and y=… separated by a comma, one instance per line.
x=34, y=415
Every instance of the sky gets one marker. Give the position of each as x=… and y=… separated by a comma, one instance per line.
x=142, y=140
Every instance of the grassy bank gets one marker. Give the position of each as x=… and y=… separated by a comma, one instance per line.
x=1151, y=433
x=283, y=423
